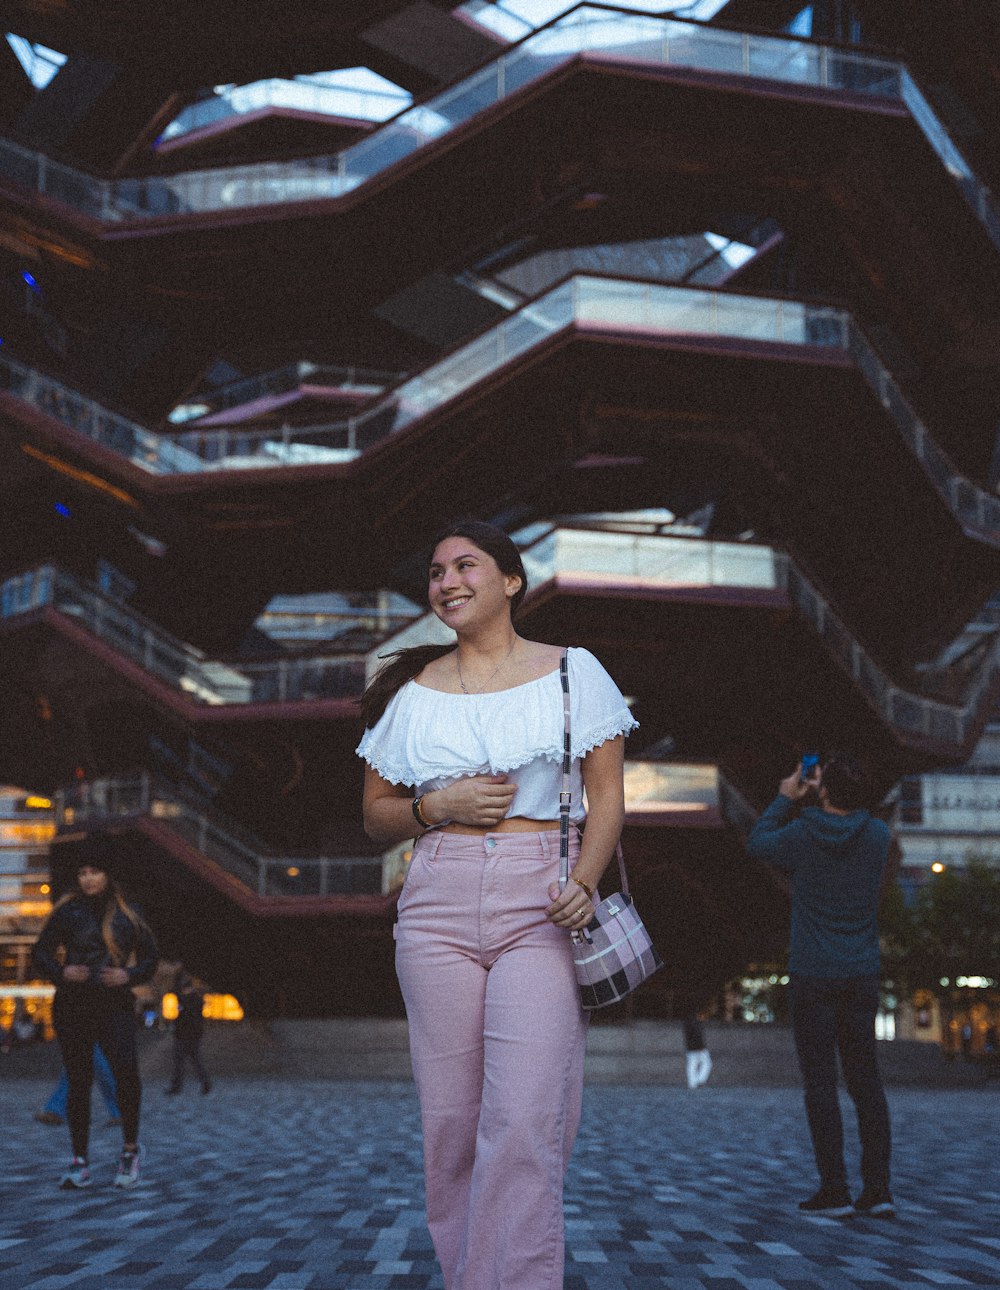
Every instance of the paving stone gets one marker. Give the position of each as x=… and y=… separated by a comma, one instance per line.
x=317, y=1186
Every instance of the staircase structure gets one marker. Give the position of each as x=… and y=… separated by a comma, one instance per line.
x=703, y=309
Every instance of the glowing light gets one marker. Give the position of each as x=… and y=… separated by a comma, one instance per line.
x=83, y=476
x=45, y=889
x=937, y=867
x=61, y=508
x=12, y=833
x=222, y=1007
x=34, y=908
x=34, y=803
x=292, y=871
x=30, y=279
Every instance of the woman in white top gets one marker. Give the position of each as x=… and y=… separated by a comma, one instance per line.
x=464, y=743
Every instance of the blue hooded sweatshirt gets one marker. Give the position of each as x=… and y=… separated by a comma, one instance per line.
x=836, y=864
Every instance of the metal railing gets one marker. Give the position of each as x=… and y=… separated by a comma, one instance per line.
x=105, y=800
x=181, y=666
x=588, y=29
x=235, y=101
x=580, y=301
x=363, y=381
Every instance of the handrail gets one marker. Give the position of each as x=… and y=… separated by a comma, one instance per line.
x=283, y=380
x=334, y=101
x=263, y=873
x=584, y=300
x=696, y=562
x=202, y=680
x=587, y=29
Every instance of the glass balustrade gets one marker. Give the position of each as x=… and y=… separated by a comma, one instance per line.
x=582, y=301
x=301, y=95
x=681, y=562
x=94, y=802
x=671, y=788
x=362, y=382
x=588, y=29
x=203, y=680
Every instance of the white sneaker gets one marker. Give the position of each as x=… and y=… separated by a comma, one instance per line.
x=129, y=1168
x=77, y=1175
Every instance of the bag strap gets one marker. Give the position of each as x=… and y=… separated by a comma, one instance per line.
x=566, y=793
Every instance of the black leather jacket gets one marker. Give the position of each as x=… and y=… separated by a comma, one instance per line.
x=76, y=927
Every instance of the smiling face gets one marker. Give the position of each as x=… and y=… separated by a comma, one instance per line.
x=465, y=586
x=92, y=882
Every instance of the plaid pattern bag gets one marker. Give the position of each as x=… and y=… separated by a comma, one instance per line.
x=614, y=953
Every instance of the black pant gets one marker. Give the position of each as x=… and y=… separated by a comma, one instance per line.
x=84, y=1016
x=186, y=1045
x=831, y=1016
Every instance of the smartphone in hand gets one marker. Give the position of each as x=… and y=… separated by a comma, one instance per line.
x=810, y=761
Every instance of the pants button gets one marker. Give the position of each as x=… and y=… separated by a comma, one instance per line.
x=491, y=843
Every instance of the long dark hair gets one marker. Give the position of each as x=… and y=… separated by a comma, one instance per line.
x=403, y=665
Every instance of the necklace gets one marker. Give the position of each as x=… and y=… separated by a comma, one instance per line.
x=461, y=679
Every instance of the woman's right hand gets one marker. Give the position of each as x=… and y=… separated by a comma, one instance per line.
x=76, y=973
x=480, y=801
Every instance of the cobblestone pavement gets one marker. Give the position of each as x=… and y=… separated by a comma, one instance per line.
x=316, y=1186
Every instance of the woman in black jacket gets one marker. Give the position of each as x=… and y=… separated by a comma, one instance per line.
x=95, y=947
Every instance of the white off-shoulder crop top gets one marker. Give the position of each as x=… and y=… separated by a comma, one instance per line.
x=429, y=738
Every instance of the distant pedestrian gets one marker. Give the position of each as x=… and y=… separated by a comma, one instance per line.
x=698, y=1058
x=91, y=936
x=54, y=1111
x=22, y=1028
x=189, y=1027
x=836, y=855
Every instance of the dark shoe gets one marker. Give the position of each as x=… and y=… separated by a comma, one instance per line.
x=875, y=1203
x=829, y=1203
x=48, y=1117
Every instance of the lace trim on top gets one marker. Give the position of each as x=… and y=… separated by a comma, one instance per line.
x=396, y=773
x=420, y=737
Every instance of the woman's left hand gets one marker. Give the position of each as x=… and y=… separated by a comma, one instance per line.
x=573, y=909
x=114, y=976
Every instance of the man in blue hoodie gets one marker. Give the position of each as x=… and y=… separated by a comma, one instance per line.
x=836, y=855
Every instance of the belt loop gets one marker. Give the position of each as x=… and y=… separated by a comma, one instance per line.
x=429, y=844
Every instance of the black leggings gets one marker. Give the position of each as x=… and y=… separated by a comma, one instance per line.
x=83, y=1018
x=186, y=1046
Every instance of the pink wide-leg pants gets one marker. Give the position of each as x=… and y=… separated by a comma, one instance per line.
x=497, y=1039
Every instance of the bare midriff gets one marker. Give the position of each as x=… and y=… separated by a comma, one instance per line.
x=514, y=824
